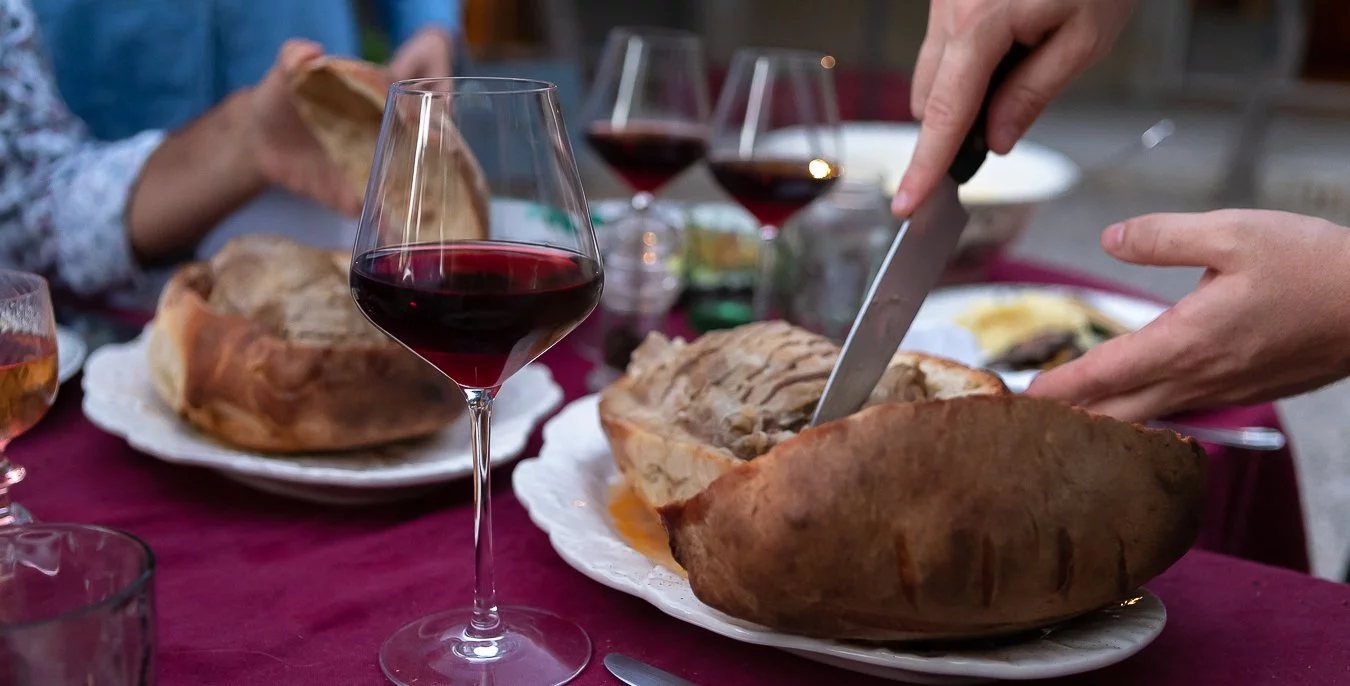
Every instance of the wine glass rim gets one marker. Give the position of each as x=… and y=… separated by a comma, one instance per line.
x=24, y=284
x=645, y=31
x=796, y=53
x=492, y=85
x=113, y=599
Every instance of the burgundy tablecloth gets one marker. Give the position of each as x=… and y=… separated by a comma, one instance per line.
x=255, y=589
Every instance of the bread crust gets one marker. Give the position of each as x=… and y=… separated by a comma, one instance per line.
x=973, y=513
x=271, y=380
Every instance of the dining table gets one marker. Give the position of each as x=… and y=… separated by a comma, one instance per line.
x=255, y=589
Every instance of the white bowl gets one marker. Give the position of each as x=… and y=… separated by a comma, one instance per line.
x=1030, y=173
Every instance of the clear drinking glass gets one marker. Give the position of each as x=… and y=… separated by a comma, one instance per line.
x=478, y=300
x=28, y=372
x=775, y=143
x=77, y=607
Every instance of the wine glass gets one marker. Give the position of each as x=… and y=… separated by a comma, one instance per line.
x=647, y=116
x=775, y=143
x=647, y=113
x=477, y=300
x=28, y=372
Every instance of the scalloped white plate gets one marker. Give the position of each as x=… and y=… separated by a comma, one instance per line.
x=566, y=489
x=70, y=353
x=119, y=399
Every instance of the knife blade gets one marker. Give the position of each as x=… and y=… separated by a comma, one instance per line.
x=916, y=259
x=636, y=673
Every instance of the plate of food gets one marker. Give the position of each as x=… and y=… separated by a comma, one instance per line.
x=951, y=531
x=259, y=365
x=1020, y=330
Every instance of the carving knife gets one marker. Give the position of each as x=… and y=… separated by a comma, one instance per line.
x=917, y=257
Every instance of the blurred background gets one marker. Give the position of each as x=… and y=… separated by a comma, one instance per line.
x=1255, y=95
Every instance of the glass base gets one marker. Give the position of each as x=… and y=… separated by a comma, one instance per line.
x=537, y=648
x=17, y=515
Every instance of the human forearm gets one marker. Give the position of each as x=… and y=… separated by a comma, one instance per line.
x=198, y=176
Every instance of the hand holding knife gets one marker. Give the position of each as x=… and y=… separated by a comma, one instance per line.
x=912, y=267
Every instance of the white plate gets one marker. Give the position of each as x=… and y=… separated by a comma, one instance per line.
x=944, y=306
x=882, y=150
x=566, y=490
x=119, y=399
x=70, y=352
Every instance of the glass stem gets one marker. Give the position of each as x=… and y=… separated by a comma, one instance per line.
x=642, y=200
x=762, y=303
x=486, y=624
x=10, y=474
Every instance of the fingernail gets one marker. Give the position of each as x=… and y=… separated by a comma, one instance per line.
x=900, y=205
x=1006, y=137
x=1114, y=236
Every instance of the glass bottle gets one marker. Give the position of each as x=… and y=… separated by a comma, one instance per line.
x=643, y=278
x=832, y=252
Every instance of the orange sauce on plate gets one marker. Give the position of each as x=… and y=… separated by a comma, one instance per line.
x=640, y=527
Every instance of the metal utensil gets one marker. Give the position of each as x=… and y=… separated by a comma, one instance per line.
x=1248, y=437
x=1151, y=138
x=637, y=673
x=913, y=265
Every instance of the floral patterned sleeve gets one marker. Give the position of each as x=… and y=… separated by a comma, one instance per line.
x=63, y=196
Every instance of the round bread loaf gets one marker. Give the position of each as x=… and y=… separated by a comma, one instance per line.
x=946, y=508
x=262, y=347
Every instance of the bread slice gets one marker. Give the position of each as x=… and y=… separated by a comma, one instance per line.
x=946, y=508
x=342, y=101
x=263, y=348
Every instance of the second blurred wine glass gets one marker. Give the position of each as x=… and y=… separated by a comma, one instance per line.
x=648, y=109
x=775, y=143
x=647, y=119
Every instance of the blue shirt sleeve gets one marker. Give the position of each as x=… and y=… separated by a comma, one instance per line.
x=403, y=18
x=62, y=195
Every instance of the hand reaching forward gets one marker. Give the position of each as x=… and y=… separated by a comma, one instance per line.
x=1270, y=317
x=966, y=39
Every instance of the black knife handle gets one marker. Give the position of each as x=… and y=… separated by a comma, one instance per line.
x=975, y=148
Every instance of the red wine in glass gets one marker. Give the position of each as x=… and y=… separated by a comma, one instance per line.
x=648, y=154
x=774, y=189
x=477, y=310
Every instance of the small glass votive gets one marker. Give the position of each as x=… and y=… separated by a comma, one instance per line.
x=77, y=606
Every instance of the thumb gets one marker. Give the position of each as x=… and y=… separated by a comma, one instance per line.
x=1117, y=366
x=296, y=52
x=1175, y=240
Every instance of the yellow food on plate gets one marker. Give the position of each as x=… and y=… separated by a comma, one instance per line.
x=999, y=325
x=1037, y=330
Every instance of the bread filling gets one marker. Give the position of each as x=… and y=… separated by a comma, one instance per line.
x=748, y=389
x=291, y=291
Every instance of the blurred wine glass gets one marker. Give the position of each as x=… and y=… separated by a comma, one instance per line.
x=28, y=372
x=775, y=144
x=646, y=117
x=647, y=113
x=478, y=300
